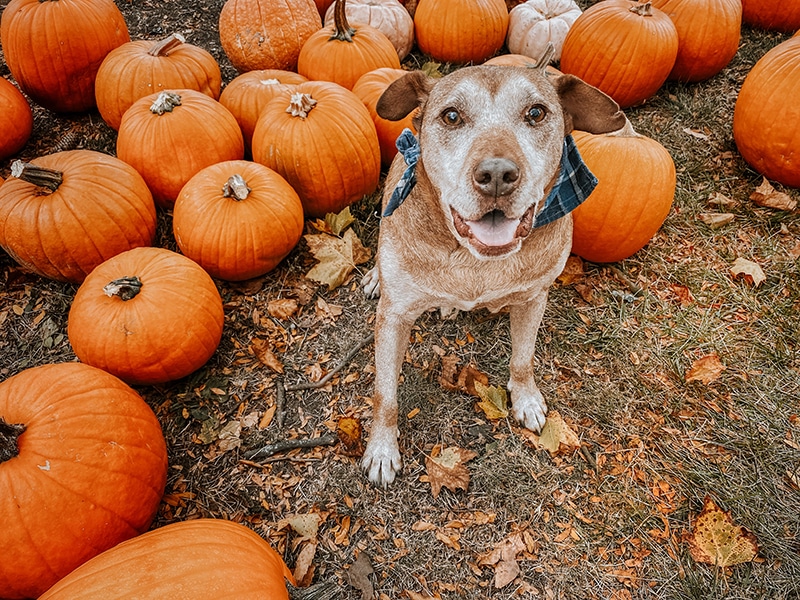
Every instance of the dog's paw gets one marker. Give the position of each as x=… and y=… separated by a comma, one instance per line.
x=381, y=460
x=371, y=282
x=528, y=406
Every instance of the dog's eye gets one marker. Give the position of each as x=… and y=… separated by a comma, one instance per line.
x=451, y=116
x=535, y=114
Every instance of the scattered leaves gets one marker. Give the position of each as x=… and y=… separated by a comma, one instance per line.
x=282, y=308
x=350, y=434
x=716, y=220
x=494, y=401
x=448, y=470
x=262, y=350
x=750, y=271
x=705, y=369
x=573, y=270
x=767, y=196
x=716, y=540
x=358, y=576
x=337, y=257
x=504, y=559
x=557, y=437
x=304, y=565
x=462, y=380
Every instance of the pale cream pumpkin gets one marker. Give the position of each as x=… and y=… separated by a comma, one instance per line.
x=388, y=16
x=535, y=23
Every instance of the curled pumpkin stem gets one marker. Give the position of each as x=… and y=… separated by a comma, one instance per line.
x=300, y=105
x=42, y=177
x=236, y=188
x=124, y=288
x=9, y=433
x=165, y=46
x=341, y=28
x=165, y=102
x=645, y=9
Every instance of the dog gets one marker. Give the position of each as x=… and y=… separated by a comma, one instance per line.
x=468, y=219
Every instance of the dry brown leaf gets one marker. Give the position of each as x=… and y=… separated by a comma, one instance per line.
x=337, y=223
x=716, y=220
x=717, y=541
x=462, y=380
x=263, y=352
x=358, y=576
x=266, y=419
x=417, y=596
x=706, y=369
x=718, y=199
x=573, y=270
x=767, y=196
x=306, y=525
x=282, y=308
x=504, y=558
x=448, y=469
x=751, y=272
x=494, y=401
x=304, y=565
x=350, y=434
x=557, y=437
x=449, y=372
x=337, y=257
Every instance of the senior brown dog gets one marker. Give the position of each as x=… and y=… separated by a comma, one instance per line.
x=476, y=214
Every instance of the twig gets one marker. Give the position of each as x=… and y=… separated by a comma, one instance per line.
x=635, y=289
x=284, y=445
x=263, y=464
x=313, y=385
x=280, y=403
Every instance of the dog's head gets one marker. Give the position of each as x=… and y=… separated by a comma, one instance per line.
x=491, y=140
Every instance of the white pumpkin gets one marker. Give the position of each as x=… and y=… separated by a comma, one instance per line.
x=388, y=16
x=536, y=22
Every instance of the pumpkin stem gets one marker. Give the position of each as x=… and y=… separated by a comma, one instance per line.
x=9, y=433
x=43, y=177
x=165, y=102
x=270, y=81
x=341, y=28
x=165, y=46
x=236, y=188
x=546, y=57
x=300, y=105
x=645, y=9
x=626, y=131
x=124, y=287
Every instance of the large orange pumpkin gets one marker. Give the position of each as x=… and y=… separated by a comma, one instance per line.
x=388, y=16
x=321, y=139
x=63, y=214
x=237, y=219
x=625, y=48
x=169, y=136
x=772, y=14
x=83, y=466
x=16, y=119
x=148, y=315
x=54, y=48
x=767, y=116
x=202, y=559
x=634, y=194
x=460, y=31
x=708, y=35
x=143, y=67
x=266, y=34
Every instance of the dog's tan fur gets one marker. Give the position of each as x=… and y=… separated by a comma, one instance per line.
x=428, y=254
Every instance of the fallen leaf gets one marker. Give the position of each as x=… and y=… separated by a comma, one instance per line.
x=448, y=469
x=229, y=436
x=706, y=369
x=449, y=372
x=767, y=196
x=304, y=565
x=751, y=272
x=269, y=414
x=417, y=596
x=717, y=199
x=263, y=352
x=468, y=377
x=431, y=69
x=557, y=437
x=717, y=541
x=337, y=257
x=716, y=220
x=282, y=308
x=358, y=576
x=683, y=293
x=573, y=270
x=306, y=525
x=350, y=434
x=504, y=558
x=494, y=401
x=339, y=222
x=463, y=379
x=695, y=134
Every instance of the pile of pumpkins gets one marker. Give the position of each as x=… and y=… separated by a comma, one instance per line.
x=295, y=135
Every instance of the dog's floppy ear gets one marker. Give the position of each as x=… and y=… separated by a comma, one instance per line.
x=587, y=108
x=404, y=95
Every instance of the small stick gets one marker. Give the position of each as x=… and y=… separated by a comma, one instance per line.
x=632, y=286
x=280, y=403
x=342, y=363
x=284, y=445
x=263, y=464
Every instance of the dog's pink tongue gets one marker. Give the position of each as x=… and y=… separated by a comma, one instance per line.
x=494, y=229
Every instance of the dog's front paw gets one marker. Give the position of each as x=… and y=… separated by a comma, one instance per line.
x=371, y=282
x=528, y=406
x=381, y=460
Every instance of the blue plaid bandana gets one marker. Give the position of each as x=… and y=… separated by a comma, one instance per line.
x=574, y=184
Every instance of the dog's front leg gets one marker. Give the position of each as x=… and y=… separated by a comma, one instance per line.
x=381, y=458
x=527, y=402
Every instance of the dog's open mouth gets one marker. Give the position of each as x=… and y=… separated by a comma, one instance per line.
x=494, y=234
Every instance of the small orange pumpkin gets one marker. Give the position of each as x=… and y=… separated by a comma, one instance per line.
x=148, y=315
x=388, y=16
x=634, y=194
x=16, y=119
x=772, y=14
x=237, y=219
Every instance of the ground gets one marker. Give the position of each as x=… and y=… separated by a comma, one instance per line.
x=610, y=519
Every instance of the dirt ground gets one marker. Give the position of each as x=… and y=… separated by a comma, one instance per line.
x=608, y=520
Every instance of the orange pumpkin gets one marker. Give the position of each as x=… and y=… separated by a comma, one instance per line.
x=342, y=53
x=63, y=214
x=708, y=35
x=625, y=48
x=83, y=466
x=54, y=48
x=16, y=119
x=321, y=139
x=250, y=92
x=634, y=194
x=266, y=34
x=237, y=219
x=388, y=16
x=766, y=116
x=460, y=31
x=772, y=14
x=169, y=136
x=143, y=67
x=202, y=559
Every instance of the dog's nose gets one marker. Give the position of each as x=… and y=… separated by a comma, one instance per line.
x=495, y=176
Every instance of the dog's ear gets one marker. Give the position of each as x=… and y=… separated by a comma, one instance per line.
x=404, y=95
x=587, y=108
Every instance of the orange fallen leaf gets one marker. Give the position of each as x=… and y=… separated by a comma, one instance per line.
x=767, y=196
x=750, y=271
x=448, y=470
x=282, y=308
x=337, y=257
x=716, y=540
x=350, y=434
x=557, y=437
x=263, y=352
x=706, y=369
x=504, y=559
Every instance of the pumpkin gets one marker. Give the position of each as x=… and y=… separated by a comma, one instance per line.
x=202, y=559
x=460, y=31
x=248, y=93
x=321, y=139
x=536, y=23
x=237, y=219
x=143, y=67
x=369, y=88
x=169, y=136
x=772, y=14
x=83, y=465
x=708, y=35
x=625, y=48
x=16, y=119
x=634, y=194
x=388, y=16
x=63, y=214
x=520, y=60
x=266, y=34
x=148, y=315
x=342, y=53
x=765, y=118
x=54, y=48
